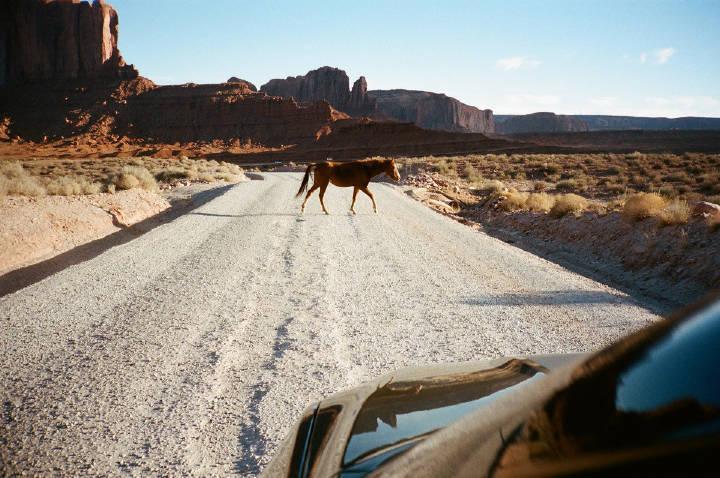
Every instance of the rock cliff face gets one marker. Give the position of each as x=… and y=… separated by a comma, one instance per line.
x=59, y=40
x=540, y=123
x=427, y=110
x=326, y=83
x=235, y=79
x=225, y=111
x=138, y=109
x=432, y=111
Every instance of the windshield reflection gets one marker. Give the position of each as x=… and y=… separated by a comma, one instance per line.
x=400, y=411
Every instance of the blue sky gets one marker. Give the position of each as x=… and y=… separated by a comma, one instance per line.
x=635, y=57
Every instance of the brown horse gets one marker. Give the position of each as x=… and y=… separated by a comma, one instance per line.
x=354, y=173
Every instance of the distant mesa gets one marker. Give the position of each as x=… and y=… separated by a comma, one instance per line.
x=540, y=123
x=425, y=109
x=328, y=84
x=433, y=111
x=554, y=123
x=235, y=79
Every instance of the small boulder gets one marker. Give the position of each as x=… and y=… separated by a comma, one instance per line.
x=706, y=209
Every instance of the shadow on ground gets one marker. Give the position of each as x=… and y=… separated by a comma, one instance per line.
x=553, y=297
x=21, y=278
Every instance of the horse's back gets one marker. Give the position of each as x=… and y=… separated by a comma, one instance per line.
x=348, y=174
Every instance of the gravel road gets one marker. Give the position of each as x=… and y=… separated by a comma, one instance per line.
x=191, y=349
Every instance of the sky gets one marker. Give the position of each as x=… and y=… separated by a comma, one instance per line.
x=620, y=57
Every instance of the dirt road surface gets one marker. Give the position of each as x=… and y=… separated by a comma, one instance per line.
x=192, y=349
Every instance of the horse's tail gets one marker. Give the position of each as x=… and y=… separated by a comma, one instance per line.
x=304, y=184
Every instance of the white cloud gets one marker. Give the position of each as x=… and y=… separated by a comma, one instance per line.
x=643, y=57
x=516, y=63
x=663, y=55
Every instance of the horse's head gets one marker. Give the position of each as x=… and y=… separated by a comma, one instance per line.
x=391, y=170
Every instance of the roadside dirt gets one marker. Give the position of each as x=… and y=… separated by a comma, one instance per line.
x=34, y=229
x=673, y=265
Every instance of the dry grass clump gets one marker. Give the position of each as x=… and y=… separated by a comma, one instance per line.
x=540, y=202
x=72, y=186
x=491, y=186
x=135, y=176
x=568, y=204
x=173, y=173
x=675, y=213
x=471, y=174
x=37, y=177
x=643, y=205
x=444, y=166
x=16, y=181
x=514, y=200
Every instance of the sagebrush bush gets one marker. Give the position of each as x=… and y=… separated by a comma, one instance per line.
x=491, y=186
x=675, y=213
x=72, y=186
x=16, y=181
x=540, y=202
x=514, y=201
x=643, y=205
x=136, y=176
x=568, y=204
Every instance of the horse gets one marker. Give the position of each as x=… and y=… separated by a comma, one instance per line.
x=353, y=173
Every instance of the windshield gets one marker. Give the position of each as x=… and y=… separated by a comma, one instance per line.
x=641, y=393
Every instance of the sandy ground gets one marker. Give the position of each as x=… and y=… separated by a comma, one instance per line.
x=34, y=229
x=191, y=349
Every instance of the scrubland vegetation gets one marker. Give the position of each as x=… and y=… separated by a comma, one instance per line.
x=40, y=177
x=638, y=185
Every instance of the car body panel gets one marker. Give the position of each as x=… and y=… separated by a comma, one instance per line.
x=438, y=393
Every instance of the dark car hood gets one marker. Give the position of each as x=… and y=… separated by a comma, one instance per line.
x=356, y=431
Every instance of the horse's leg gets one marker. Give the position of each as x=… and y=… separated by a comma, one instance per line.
x=307, y=196
x=322, y=194
x=372, y=198
x=352, y=206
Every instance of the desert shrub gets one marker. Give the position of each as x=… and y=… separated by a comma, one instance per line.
x=12, y=170
x=567, y=185
x=676, y=212
x=491, y=186
x=540, y=186
x=471, y=174
x=206, y=177
x=16, y=181
x=643, y=205
x=171, y=174
x=635, y=155
x=614, y=188
x=551, y=168
x=514, y=201
x=446, y=167
x=568, y=204
x=126, y=181
x=540, y=202
x=72, y=186
x=135, y=176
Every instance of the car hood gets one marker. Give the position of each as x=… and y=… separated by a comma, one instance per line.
x=356, y=431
